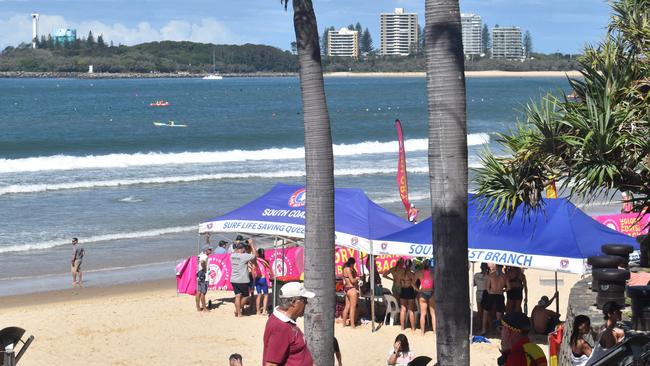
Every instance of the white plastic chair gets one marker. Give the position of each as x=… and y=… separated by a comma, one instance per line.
x=392, y=309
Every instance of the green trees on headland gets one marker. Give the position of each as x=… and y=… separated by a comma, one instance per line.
x=191, y=57
x=166, y=56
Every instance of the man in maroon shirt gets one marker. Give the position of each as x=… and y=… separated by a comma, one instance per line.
x=284, y=343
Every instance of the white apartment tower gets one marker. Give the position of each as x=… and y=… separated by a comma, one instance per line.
x=472, y=34
x=399, y=33
x=506, y=43
x=343, y=43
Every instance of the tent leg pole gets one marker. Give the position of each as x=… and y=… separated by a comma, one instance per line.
x=372, y=289
x=471, y=307
x=275, y=277
x=557, y=299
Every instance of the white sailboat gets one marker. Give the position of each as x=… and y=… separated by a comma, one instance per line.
x=215, y=75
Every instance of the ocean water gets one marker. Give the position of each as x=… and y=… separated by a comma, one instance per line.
x=83, y=158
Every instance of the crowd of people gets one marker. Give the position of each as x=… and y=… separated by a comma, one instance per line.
x=250, y=278
x=501, y=295
x=412, y=286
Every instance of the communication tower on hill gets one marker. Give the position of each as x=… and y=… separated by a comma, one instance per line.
x=34, y=29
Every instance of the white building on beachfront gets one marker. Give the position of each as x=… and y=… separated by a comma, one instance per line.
x=399, y=33
x=343, y=43
x=472, y=34
x=507, y=44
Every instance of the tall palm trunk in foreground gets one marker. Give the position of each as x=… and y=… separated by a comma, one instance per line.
x=319, y=162
x=448, y=178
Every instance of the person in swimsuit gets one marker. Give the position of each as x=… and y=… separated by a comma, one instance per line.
x=407, y=295
x=262, y=272
x=394, y=273
x=544, y=320
x=493, y=302
x=350, y=287
x=516, y=287
x=426, y=299
x=580, y=347
x=610, y=334
x=201, y=287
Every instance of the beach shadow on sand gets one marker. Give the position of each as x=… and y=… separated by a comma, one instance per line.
x=216, y=303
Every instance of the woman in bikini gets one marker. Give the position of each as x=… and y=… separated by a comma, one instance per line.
x=350, y=287
x=516, y=287
x=426, y=299
x=407, y=295
x=610, y=334
x=580, y=347
x=262, y=272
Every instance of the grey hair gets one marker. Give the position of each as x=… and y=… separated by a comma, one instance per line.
x=285, y=302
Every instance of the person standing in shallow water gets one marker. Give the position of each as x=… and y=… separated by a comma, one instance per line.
x=77, y=258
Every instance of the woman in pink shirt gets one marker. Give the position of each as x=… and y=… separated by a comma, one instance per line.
x=426, y=299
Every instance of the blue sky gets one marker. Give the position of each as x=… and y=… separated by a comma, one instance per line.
x=555, y=25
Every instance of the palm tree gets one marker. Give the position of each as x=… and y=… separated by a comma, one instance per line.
x=319, y=164
x=448, y=177
x=594, y=143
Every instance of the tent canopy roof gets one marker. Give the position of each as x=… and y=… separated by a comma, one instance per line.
x=281, y=212
x=557, y=237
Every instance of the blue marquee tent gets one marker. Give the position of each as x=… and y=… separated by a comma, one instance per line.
x=558, y=238
x=281, y=212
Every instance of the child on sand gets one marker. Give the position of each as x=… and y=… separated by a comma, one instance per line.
x=201, y=287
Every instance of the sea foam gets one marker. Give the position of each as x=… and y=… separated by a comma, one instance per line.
x=92, y=184
x=97, y=238
x=113, y=161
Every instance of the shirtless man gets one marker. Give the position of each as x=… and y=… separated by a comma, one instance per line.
x=543, y=319
x=406, y=280
x=394, y=274
x=492, y=301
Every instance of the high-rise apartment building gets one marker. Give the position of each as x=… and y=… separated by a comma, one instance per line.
x=472, y=34
x=343, y=43
x=399, y=33
x=506, y=43
x=64, y=35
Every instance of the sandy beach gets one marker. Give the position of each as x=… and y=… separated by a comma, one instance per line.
x=470, y=74
x=147, y=323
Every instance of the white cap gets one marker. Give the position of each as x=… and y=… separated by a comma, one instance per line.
x=295, y=289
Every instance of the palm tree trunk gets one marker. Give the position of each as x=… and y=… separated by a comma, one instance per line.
x=448, y=178
x=319, y=165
